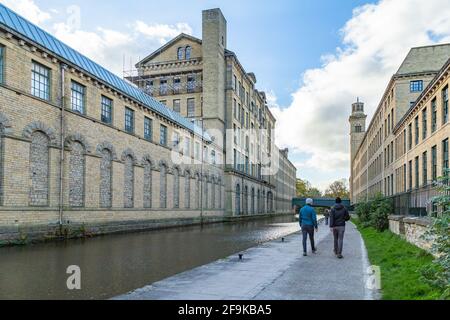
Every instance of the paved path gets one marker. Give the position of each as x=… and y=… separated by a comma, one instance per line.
x=275, y=270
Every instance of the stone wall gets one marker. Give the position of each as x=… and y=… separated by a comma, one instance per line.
x=412, y=229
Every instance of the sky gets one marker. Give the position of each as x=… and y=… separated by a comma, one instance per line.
x=313, y=58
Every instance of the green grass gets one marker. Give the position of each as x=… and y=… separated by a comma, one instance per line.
x=400, y=263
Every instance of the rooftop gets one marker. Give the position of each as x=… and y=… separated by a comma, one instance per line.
x=18, y=25
x=425, y=59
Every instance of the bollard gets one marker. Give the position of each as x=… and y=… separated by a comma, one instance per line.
x=282, y=239
x=241, y=256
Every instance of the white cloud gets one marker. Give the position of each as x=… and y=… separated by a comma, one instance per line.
x=110, y=47
x=374, y=42
x=28, y=9
x=105, y=46
x=162, y=32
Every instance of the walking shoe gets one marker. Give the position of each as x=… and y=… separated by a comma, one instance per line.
x=340, y=256
x=304, y=254
x=314, y=251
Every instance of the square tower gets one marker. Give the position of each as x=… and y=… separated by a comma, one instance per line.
x=214, y=42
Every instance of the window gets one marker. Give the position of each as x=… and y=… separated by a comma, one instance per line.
x=434, y=163
x=444, y=155
x=424, y=169
x=433, y=115
x=163, y=87
x=187, y=147
x=148, y=129
x=190, y=84
x=180, y=53
x=205, y=154
x=416, y=162
x=410, y=175
x=191, y=108
x=106, y=105
x=416, y=127
x=235, y=84
x=163, y=135
x=78, y=97
x=358, y=128
x=416, y=86
x=409, y=136
x=213, y=157
x=40, y=81
x=188, y=52
x=176, y=141
x=2, y=50
x=129, y=120
x=176, y=105
x=197, y=151
x=424, y=124
x=389, y=124
x=176, y=85
x=445, y=105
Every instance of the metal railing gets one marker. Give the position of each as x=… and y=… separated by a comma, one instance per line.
x=415, y=202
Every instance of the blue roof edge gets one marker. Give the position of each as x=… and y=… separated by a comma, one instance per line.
x=15, y=22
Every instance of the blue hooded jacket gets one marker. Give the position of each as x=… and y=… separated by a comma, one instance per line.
x=308, y=216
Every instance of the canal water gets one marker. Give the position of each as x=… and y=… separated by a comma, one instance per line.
x=116, y=264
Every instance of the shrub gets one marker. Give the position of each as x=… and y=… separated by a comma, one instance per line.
x=363, y=212
x=375, y=212
x=438, y=273
x=381, y=208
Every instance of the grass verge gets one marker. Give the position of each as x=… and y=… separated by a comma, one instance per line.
x=400, y=263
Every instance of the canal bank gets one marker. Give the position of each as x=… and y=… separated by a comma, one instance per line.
x=273, y=270
x=115, y=264
x=13, y=235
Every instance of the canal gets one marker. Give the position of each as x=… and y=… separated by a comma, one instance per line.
x=116, y=264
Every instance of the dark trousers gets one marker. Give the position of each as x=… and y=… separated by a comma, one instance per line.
x=326, y=220
x=308, y=230
x=338, y=233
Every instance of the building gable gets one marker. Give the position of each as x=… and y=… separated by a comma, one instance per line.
x=169, y=52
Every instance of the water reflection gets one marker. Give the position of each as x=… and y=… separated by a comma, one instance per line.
x=112, y=265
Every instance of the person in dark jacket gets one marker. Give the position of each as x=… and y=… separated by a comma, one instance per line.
x=308, y=222
x=338, y=217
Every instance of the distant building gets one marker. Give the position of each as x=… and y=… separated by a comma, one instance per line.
x=201, y=79
x=405, y=147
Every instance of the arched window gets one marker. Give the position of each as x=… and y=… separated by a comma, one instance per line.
x=197, y=190
x=219, y=186
x=213, y=194
x=238, y=199
x=253, y=201
x=270, y=202
x=76, y=175
x=246, y=200
x=180, y=53
x=163, y=186
x=205, y=193
x=39, y=169
x=187, y=190
x=258, y=201
x=263, y=202
x=147, y=184
x=188, y=52
x=128, y=178
x=106, y=179
x=176, y=188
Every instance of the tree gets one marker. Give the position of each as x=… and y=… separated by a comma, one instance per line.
x=302, y=187
x=306, y=190
x=338, y=189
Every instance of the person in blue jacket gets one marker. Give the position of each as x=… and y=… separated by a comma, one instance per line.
x=308, y=222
